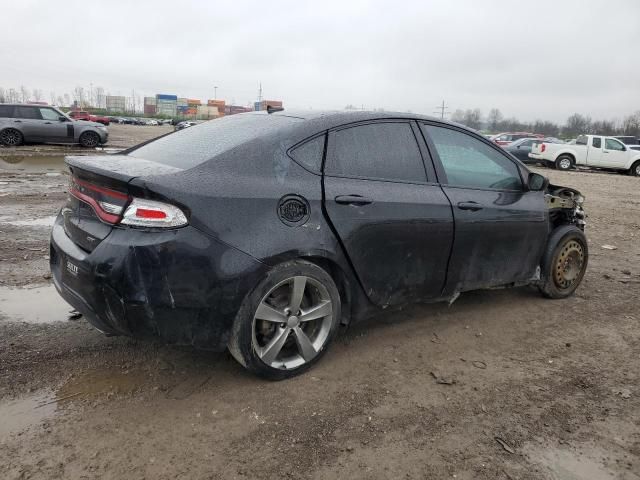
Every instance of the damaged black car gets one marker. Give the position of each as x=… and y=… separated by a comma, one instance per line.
x=262, y=232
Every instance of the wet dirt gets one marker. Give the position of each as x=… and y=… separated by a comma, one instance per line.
x=557, y=381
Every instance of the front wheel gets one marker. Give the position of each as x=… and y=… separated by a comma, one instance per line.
x=89, y=139
x=635, y=169
x=564, y=262
x=287, y=323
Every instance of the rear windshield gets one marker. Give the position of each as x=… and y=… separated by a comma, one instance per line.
x=194, y=145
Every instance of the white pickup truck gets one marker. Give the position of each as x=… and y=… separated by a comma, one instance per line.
x=591, y=151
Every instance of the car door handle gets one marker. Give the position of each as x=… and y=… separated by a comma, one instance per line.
x=605, y=151
x=17, y=121
x=47, y=123
x=353, y=200
x=473, y=206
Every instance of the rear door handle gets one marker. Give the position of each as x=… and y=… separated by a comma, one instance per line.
x=17, y=121
x=47, y=123
x=473, y=206
x=353, y=200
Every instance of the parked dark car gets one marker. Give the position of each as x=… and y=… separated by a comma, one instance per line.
x=629, y=139
x=20, y=123
x=261, y=233
x=522, y=148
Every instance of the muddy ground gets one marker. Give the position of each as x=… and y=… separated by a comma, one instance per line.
x=540, y=389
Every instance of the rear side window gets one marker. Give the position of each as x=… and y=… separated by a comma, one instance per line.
x=28, y=113
x=469, y=162
x=309, y=154
x=596, y=142
x=6, y=111
x=192, y=146
x=384, y=151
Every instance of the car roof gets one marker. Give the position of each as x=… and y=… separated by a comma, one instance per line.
x=315, y=121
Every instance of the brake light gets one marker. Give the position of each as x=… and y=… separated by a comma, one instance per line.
x=108, y=204
x=150, y=213
x=543, y=147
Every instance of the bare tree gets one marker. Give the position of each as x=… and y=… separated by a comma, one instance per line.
x=67, y=100
x=24, y=94
x=13, y=96
x=37, y=94
x=101, y=101
x=52, y=97
x=60, y=101
x=458, y=116
x=576, y=125
x=473, y=118
x=78, y=96
x=631, y=124
x=3, y=95
x=493, y=120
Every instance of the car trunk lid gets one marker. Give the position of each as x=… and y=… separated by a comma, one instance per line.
x=99, y=192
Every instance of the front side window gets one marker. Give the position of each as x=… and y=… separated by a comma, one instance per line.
x=31, y=113
x=596, y=142
x=469, y=162
x=384, y=151
x=49, y=114
x=612, y=144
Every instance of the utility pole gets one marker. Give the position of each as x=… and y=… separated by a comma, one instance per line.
x=260, y=92
x=441, y=110
x=215, y=93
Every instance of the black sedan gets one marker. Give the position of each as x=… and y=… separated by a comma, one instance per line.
x=522, y=148
x=263, y=232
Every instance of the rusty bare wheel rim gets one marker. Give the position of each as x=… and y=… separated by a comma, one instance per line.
x=569, y=264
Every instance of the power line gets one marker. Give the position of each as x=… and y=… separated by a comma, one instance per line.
x=441, y=110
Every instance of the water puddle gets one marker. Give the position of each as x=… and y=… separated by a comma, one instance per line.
x=33, y=305
x=103, y=381
x=44, y=222
x=566, y=465
x=18, y=415
x=33, y=163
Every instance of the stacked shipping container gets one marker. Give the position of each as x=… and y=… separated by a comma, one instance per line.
x=149, y=105
x=259, y=106
x=166, y=104
x=115, y=103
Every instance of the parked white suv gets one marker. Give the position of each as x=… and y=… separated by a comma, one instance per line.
x=591, y=151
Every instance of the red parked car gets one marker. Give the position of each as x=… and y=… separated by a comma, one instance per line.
x=82, y=115
x=508, y=137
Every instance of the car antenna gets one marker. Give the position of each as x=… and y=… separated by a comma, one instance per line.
x=271, y=109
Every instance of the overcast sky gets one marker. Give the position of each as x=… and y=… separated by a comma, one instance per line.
x=532, y=59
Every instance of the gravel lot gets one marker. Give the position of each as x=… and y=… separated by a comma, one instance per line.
x=532, y=388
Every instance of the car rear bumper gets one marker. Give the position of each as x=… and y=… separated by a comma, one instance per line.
x=181, y=285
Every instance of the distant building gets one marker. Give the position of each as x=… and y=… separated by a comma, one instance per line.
x=259, y=106
x=149, y=105
x=115, y=103
x=166, y=105
x=233, y=109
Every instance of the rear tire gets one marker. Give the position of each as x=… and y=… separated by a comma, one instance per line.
x=11, y=137
x=564, y=162
x=634, y=171
x=564, y=262
x=286, y=324
x=89, y=140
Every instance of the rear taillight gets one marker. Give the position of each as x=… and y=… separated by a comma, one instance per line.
x=543, y=147
x=149, y=213
x=108, y=204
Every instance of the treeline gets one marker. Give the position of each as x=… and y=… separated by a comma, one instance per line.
x=575, y=125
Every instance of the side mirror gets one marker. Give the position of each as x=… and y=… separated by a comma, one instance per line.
x=62, y=119
x=537, y=182
x=519, y=147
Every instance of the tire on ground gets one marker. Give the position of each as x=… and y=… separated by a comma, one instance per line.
x=11, y=137
x=561, y=162
x=635, y=169
x=241, y=344
x=566, y=238
x=89, y=139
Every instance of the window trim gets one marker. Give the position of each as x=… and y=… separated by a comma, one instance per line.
x=302, y=142
x=440, y=171
x=407, y=121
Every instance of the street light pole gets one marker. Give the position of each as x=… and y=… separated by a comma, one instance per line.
x=215, y=93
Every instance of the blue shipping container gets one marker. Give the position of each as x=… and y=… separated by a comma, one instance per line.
x=161, y=96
